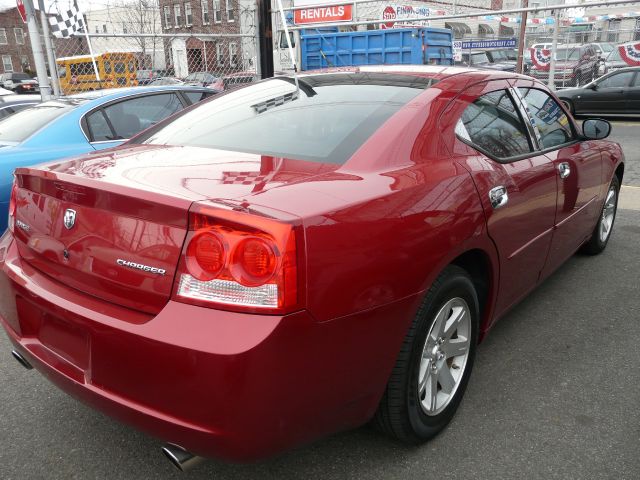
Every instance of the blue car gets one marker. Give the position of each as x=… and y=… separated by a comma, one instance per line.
x=83, y=123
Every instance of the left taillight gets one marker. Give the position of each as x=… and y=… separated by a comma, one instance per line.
x=239, y=261
x=12, y=206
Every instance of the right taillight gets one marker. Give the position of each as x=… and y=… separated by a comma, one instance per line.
x=12, y=206
x=239, y=261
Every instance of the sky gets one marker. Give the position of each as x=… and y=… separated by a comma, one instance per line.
x=85, y=5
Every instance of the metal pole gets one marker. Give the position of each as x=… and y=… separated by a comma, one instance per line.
x=51, y=59
x=36, y=48
x=554, y=45
x=265, y=29
x=523, y=28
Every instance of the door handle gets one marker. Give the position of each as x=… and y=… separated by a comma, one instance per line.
x=564, y=170
x=498, y=196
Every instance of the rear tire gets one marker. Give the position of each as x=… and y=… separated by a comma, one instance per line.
x=602, y=231
x=434, y=363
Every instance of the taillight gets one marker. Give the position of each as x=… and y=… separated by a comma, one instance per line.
x=12, y=206
x=239, y=261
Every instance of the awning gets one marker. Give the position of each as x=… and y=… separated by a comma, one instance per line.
x=580, y=27
x=483, y=28
x=458, y=29
x=506, y=31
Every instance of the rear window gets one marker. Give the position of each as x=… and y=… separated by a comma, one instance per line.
x=20, y=126
x=20, y=76
x=327, y=121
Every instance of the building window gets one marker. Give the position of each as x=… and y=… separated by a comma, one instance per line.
x=167, y=16
x=7, y=64
x=19, y=36
x=188, y=15
x=124, y=27
x=219, y=55
x=97, y=29
x=233, y=54
x=3, y=36
x=104, y=28
x=217, y=15
x=230, y=12
x=24, y=61
x=177, y=15
x=613, y=34
x=205, y=12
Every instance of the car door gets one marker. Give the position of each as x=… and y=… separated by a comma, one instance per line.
x=607, y=95
x=578, y=172
x=634, y=95
x=112, y=124
x=516, y=184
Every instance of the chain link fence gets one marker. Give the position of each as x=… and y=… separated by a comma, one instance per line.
x=150, y=42
x=586, y=47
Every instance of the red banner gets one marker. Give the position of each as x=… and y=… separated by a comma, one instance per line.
x=630, y=53
x=337, y=13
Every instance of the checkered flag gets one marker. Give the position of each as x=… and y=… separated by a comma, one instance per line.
x=66, y=24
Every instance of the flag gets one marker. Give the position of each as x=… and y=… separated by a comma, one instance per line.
x=630, y=53
x=63, y=25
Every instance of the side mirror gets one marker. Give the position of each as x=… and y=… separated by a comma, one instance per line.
x=596, y=129
x=592, y=86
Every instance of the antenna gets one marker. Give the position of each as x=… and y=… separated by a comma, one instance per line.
x=293, y=58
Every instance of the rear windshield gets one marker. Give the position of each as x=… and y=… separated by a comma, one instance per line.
x=20, y=76
x=327, y=121
x=567, y=54
x=20, y=126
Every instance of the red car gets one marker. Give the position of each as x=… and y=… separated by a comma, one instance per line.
x=278, y=264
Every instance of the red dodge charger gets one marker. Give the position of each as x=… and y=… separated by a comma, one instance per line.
x=292, y=259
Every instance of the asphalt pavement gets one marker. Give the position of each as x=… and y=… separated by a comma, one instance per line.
x=555, y=394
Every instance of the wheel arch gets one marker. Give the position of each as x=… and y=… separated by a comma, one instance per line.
x=477, y=263
x=620, y=172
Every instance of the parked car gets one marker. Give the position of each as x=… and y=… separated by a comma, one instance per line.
x=236, y=79
x=204, y=79
x=613, y=61
x=614, y=94
x=330, y=255
x=482, y=61
x=604, y=48
x=145, y=77
x=166, y=81
x=19, y=83
x=575, y=65
x=13, y=103
x=83, y=123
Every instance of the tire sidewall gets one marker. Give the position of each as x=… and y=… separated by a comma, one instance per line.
x=458, y=285
x=596, y=233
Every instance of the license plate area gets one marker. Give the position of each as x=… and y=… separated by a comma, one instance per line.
x=67, y=340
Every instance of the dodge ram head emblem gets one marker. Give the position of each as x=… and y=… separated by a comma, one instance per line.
x=69, y=218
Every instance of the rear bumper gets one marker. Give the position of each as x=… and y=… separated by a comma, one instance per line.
x=220, y=384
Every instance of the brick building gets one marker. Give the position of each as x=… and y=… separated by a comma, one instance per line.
x=15, y=48
x=221, y=55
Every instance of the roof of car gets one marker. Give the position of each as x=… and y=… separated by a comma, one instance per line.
x=126, y=91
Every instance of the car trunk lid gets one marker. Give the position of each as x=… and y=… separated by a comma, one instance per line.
x=112, y=224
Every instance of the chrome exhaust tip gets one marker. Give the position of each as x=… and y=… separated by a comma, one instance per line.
x=180, y=458
x=21, y=360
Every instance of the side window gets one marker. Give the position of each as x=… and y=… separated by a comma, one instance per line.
x=132, y=116
x=493, y=124
x=617, y=80
x=99, y=130
x=636, y=81
x=549, y=118
x=195, y=97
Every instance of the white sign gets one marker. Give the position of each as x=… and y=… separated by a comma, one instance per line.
x=457, y=51
x=401, y=15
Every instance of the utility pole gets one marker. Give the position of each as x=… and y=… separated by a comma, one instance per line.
x=36, y=48
x=51, y=60
x=523, y=29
